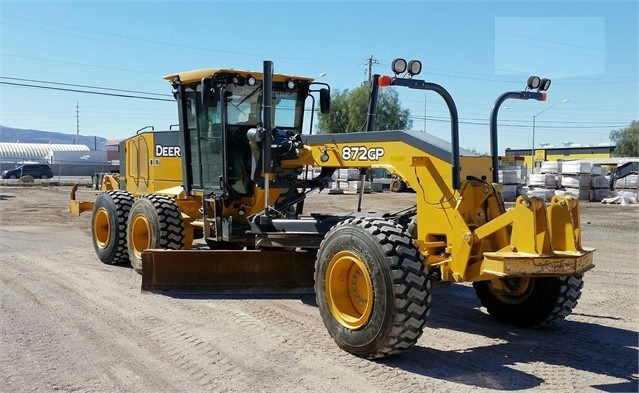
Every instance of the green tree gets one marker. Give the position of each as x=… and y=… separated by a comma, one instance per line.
x=476, y=151
x=626, y=140
x=349, y=111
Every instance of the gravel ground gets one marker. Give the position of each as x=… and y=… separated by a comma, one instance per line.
x=70, y=323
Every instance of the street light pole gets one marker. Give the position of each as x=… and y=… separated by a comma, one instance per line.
x=532, y=150
x=534, y=119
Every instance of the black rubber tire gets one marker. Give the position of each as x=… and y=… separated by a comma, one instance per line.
x=155, y=221
x=108, y=226
x=13, y=176
x=400, y=304
x=398, y=185
x=547, y=300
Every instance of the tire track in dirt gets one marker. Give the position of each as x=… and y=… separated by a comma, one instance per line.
x=315, y=343
x=83, y=321
x=92, y=330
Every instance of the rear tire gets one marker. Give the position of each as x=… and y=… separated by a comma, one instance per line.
x=155, y=221
x=371, y=287
x=398, y=185
x=108, y=228
x=527, y=302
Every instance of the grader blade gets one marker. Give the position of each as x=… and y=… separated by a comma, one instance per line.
x=228, y=271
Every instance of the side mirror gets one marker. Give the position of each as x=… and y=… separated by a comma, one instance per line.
x=210, y=94
x=325, y=101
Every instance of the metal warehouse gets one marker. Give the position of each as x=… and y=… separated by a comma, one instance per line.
x=39, y=152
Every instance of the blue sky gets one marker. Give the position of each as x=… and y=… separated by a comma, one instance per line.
x=476, y=50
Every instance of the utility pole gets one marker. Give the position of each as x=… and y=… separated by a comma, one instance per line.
x=77, y=123
x=424, y=112
x=371, y=61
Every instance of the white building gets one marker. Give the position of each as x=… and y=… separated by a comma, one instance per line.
x=37, y=152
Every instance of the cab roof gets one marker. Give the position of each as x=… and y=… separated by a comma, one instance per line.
x=188, y=77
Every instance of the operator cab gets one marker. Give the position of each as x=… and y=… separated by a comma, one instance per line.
x=218, y=108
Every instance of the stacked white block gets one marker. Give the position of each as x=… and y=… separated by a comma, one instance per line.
x=542, y=193
x=582, y=180
x=576, y=167
x=510, y=192
x=628, y=182
x=508, y=176
x=541, y=185
x=581, y=193
x=627, y=186
x=600, y=188
x=576, y=178
x=348, y=174
x=345, y=178
x=552, y=168
x=511, y=181
x=545, y=180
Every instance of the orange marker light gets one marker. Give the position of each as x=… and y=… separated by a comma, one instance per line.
x=384, y=81
x=543, y=97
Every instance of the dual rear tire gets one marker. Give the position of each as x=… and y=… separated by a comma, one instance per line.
x=110, y=215
x=122, y=228
x=155, y=221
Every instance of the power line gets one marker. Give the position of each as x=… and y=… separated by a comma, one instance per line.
x=85, y=91
x=79, y=64
x=485, y=123
x=85, y=86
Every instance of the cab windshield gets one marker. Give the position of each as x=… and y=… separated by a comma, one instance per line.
x=245, y=106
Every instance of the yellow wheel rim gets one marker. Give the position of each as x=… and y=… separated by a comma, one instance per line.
x=101, y=228
x=349, y=290
x=512, y=290
x=140, y=235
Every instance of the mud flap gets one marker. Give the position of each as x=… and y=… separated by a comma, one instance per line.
x=228, y=271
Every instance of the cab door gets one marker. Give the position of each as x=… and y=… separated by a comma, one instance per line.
x=202, y=142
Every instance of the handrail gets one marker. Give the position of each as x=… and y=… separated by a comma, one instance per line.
x=518, y=95
x=454, y=119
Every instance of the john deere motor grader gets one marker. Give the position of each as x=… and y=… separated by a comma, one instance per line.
x=243, y=185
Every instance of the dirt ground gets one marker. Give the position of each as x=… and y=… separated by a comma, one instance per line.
x=71, y=323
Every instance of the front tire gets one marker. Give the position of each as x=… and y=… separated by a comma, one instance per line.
x=155, y=221
x=371, y=287
x=110, y=214
x=529, y=301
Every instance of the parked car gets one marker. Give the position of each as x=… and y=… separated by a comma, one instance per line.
x=37, y=171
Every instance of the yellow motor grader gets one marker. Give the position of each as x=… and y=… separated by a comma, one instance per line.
x=243, y=182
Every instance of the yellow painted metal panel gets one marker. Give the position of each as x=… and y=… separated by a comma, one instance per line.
x=197, y=75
